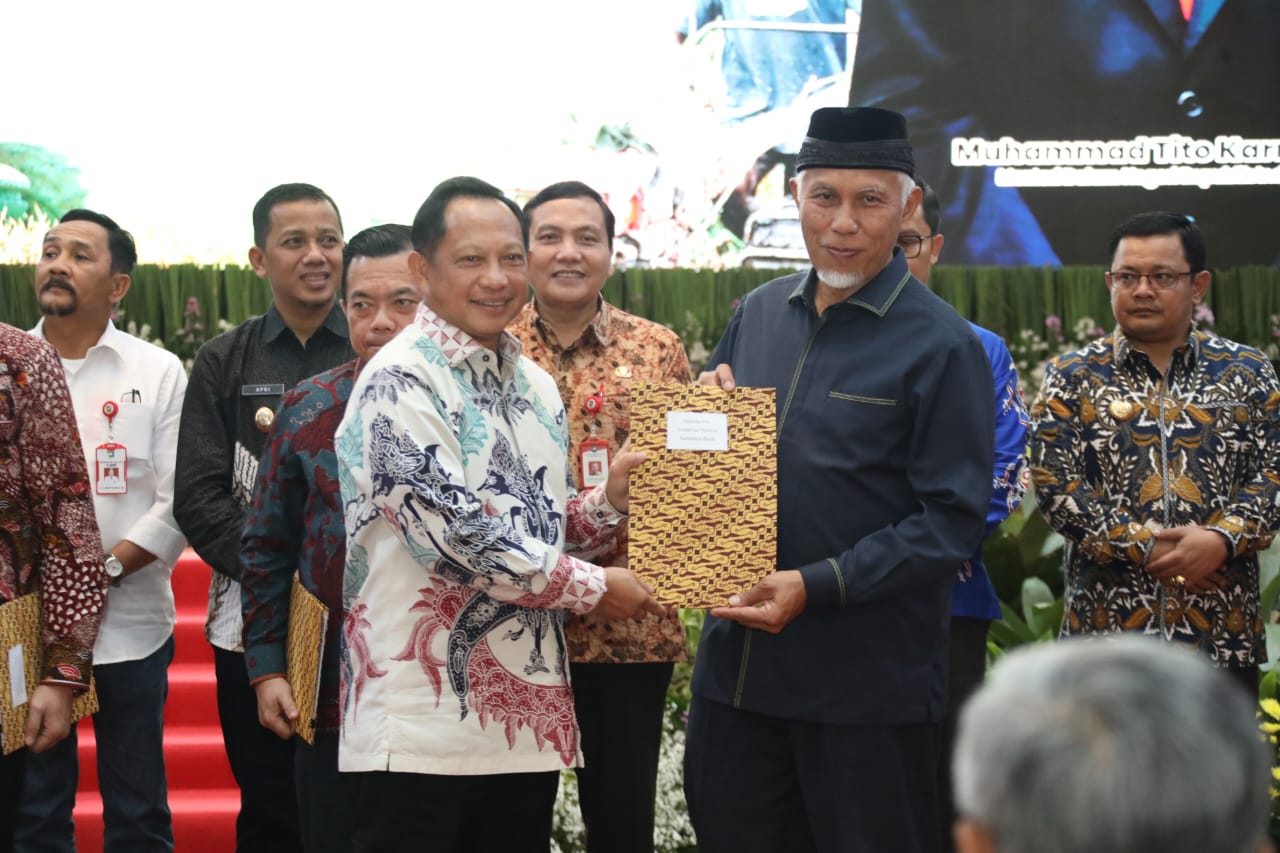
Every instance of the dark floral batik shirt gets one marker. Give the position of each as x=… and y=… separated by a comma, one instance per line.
x=1119, y=451
x=295, y=523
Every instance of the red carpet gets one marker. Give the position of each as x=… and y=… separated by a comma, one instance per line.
x=203, y=795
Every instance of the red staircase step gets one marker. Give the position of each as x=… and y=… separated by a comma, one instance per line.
x=204, y=820
x=193, y=756
x=191, y=580
x=189, y=643
x=193, y=697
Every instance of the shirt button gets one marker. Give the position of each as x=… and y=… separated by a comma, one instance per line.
x=485, y=357
x=1190, y=103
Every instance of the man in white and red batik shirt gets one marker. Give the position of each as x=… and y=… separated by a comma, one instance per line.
x=457, y=713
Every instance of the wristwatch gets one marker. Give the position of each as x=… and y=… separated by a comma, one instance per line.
x=115, y=568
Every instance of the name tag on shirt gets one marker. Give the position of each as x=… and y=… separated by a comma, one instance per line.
x=111, y=469
x=262, y=390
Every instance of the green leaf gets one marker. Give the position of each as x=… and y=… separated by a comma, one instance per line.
x=1046, y=620
x=1034, y=592
x=1010, y=630
x=1053, y=542
x=1273, y=646
x=1268, y=685
x=1032, y=541
x=1269, y=577
x=1012, y=526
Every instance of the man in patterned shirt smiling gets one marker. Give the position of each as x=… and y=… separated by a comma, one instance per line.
x=1156, y=452
x=456, y=709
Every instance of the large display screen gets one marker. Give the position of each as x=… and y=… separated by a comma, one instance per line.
x=1043, y=125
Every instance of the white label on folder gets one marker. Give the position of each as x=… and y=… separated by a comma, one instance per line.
x=17, y=677
x=697, y=431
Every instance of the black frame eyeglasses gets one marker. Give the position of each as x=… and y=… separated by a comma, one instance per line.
x=1162, y=280
x=910, y=244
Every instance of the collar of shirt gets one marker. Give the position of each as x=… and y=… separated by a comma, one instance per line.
x=456, y=344
x=109, y=340
x=600, y=327
x=273, y=324
x=876, y=296
x=1123, y=350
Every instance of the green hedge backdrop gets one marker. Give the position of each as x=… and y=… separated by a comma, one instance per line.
x=698, y=303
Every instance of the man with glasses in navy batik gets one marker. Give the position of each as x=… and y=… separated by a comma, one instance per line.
x=1156, y=452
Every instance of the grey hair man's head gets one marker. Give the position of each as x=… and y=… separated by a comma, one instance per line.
x=1121, y=745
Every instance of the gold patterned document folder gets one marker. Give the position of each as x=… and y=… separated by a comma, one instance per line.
x=704, y=522
x=20, y=665
x=308, y=619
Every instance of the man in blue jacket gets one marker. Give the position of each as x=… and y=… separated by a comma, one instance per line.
x=818, y=692
x=973, y=599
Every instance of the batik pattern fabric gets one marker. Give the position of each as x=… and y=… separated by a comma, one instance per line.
x=1119, y=451
x=460, y=518
x=49, y=537
x=614, y=354
x=295, y=523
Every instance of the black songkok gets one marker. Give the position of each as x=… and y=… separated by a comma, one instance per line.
x=856, y=138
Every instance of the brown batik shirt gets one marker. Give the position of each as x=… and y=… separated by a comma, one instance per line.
x=616, y=351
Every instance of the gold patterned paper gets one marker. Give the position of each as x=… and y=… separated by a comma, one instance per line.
x=308, y=618
x=20, y=626
x=704, y=523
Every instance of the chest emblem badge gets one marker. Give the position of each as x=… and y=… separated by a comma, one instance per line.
x=1121, y=410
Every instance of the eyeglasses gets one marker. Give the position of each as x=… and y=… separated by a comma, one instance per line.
x=911, y=243
x=1159, y=280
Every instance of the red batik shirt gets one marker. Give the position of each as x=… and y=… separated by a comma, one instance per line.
x=48, y=533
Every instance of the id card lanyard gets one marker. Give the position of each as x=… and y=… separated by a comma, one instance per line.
x=593, y=453
x=111, y=459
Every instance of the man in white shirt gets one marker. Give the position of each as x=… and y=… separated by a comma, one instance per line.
x=127, y=396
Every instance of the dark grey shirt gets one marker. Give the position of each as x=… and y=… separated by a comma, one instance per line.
x=885, y=434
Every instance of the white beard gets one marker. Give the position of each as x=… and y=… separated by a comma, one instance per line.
x=840, y=280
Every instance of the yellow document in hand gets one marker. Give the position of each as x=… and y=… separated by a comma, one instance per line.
x=704, y=505
x=20, y=666
x=308, y=619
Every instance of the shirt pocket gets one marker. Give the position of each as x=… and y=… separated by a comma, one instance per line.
x=864, y=399
x=865, y=423
x=133, y=428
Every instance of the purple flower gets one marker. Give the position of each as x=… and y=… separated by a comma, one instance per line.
x=1053, y=321
x=1204, y=315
